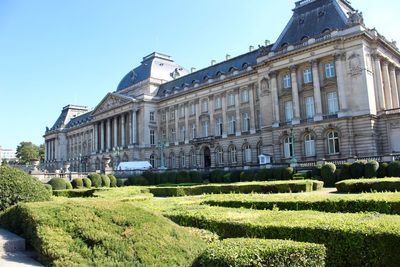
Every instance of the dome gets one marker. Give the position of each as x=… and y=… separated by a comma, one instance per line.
x=155, y=65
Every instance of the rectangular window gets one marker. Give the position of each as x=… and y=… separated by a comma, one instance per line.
x=218, y=102
x=232, y=125
x=231, y=99
x=152, y=137
x=151, y=115
x=307, y=76
x=258, y=113
x=218, y=127
x=163, y=116
x=205, y=129
x=204, y=106
x=329, y=70
x=164, y=136
x=246, y=122
x=172, y=136
x=182, y=111
x=333, y=105
x=244, y=95
x=193, y=130
x=182, y=134
x=192, y=109
x=287, y=81
x=310, y=107
x=289, y=111
x=172, y=114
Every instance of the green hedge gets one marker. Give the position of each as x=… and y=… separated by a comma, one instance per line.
x=77, y=183
x=369, y=185
x=58, y=183
x=328, y=174
x=87, y=183
x=250, y=187
x=350, y=239
x=75, y=193
x=113, y=180
x=96, y=180
x=262, y=252
x=388, y=203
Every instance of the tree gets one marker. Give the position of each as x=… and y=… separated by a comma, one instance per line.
x=4, y=162
x=26, y=151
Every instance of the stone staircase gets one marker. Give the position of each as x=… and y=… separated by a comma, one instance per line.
x=13, y=251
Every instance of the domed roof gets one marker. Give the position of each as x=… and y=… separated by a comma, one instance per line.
x=155, y=65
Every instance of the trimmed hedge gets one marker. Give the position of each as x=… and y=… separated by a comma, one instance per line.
x=113, y=180
x=328, y=174
x=350, y=239
x=96, y=180
x=87, y=183
x=369, y=185
x=77, y=183
x=388, y=203
x=105, y=180
x=382, y=171
x=357, y=169
x=68, y=185
x=75, y=193
x=262, y=252
x=17, y=186
x=58, y=183
x=371, y=169
x=345, y=172
x=393, y=170
x=251, y=187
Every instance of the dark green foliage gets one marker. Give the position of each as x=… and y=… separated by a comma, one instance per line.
x=264, y=175
x=371, y=169
x=68, y=185
x=361, y=239
x=76, y=193
x=136, y=180
x=300, y=176
x=87, y=183
x=182, y=177
x=345, y=172
x=49, y=188
x=328, y=174
x=217, y=176
x=287, y=173
x=95, y=178
x=18, y=186
x=113, y=180
x=235, y=176
x=382, y=171
x=195, y=177
x=105, y=180
x=58, y=183
x=247, y=176
x=77, y=183
x=316, y=171
x=151, y=177
x=262, y=252
x=369, y=185
x=357, y=169
x=121, y=182
x=277, y=173
x=393, y=169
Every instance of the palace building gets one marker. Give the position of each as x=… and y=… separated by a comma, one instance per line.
x=328, y=88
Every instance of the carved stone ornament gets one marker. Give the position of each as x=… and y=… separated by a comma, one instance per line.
x=395, y=125
x=265, y=85
x=355, y=65
x=355, y=18
x=110, y=103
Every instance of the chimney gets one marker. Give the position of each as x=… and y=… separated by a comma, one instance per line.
x=192, y=69
x=213, y=62
x=227, y=57
x=251, y=48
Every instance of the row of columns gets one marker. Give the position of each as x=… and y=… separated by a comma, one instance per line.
x=50, y=150
x=341, y=87
x=118, y=131
x=387, y=83
x=76, y=141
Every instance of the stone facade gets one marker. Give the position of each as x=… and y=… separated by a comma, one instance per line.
x=332, y=95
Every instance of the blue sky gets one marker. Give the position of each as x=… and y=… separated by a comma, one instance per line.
x=55, y=53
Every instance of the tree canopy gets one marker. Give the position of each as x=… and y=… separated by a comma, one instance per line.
x=27, y=151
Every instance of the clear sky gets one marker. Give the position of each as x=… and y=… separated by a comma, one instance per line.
x=55, y=53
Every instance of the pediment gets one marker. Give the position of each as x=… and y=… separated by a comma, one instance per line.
x=110, y=102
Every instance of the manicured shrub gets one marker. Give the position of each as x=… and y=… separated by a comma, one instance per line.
x=105, y=180
x=264, y=175
x=121, y=182
x=369, y=185
x=75, y=193
x=95, y=178
x=287, y=173
x=382, y=171
x=393, y=169
x=277, y=173
x=357, y=169
x=227, y=177
x=195, y=177
x=77, y=183
x=328, y=174
x=68, y=185
x=182, y=177
x=235, y=176
x=151, y=177
x=113, y=180
x=49, y=188
x=262, y=252
x=217, y=176
x=345, y=172
x=17, y=186
x=371, y=169
x=316, y=171
x=58, y=183
x=247, y=175
x=136, y=180
x=87, y=182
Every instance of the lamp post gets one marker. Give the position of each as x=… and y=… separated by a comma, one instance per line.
x=293, y=161
x=161, y=146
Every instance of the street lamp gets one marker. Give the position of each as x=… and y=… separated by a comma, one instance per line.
x=293, y=161
x=161, y=146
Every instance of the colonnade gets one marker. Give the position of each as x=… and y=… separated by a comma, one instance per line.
x=50, y=146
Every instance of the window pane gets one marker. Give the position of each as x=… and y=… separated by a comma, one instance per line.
x=289, y=111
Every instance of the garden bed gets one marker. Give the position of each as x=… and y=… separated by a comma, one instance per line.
x=369, y=185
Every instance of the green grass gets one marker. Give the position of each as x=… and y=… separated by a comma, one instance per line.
x=351, y=239
x=95, y=232
x=369, y=185
x=388, y=203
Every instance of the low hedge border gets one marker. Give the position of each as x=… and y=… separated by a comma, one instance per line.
x=368, y=185
x=388, y=203
x=76, y=193
x=350, y=239
x=246, y=188
x=262, y=252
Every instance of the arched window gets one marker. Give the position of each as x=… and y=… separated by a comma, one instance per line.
x=288, y=147
x=152, y=160
x=309, y=145
x=193, y=159
x=219, y=156
x=232, y=156
x=182, y=160
x=333, y=143
x=172, y=160
x=246, y=153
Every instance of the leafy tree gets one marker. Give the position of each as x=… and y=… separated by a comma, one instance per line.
x=27, y=151
x=4, y=162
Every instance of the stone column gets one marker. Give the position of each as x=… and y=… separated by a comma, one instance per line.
x=275, y=99
x=387, y=87
x=237, y=113
x=115, y=132
x=398, y=83
x=393, y=85
x=198, y=113
x=95, y=138
x=378, y=82
x=123, y=131
x=134, y=127
x=187, y=131
x=211, y=127
x=102, y=145
x=317, y=91
x=166, y=127
x=295, y=95
x=252, y=112
x=224, y=121
x=176, y=125
x=108, y=134
x=341, y=83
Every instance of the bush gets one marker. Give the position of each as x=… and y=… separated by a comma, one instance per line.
x=195, y=177
x=77, y=183
x=121, y=182
x=371, y=169
x=75, y=193
x=68, y=185
x=328, y=174
x=382, y=171
x=264, y=175
x=113, y=180
x=262, y=252
x=369, y=185
x=227, y=177
x=345, y=172
x=105, y=180
x=361, y=239
x=287, y=173
x=235, y=176
x=87, y=182
x=316, y=171
x=217, y=176
x=393, y=169
x=357, y=169
x=136, y=180
x=58, y=183
x=49, y=188
x=246, y=176
x=18, y=186
x=151, y=177
x=182, y=177
x=95, y=178
x=277, y=173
